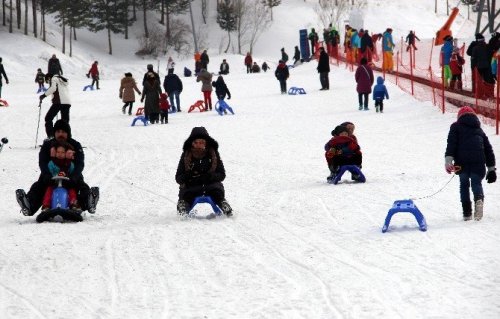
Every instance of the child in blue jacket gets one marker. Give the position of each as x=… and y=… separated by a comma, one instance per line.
x=379, y=93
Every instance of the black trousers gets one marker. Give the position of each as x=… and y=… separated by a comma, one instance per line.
x=96, y=81
x=130, y=105
x=51, y=113
x=283, y=86
x=325, y=81
x=380, y=104
x=360, y=98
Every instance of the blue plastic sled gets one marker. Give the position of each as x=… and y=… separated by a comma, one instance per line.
x=59, y=205
x=204, y=199
x=42, y=89
x=351, y=168
x=405, y=206
x=141, y=118
x=88, y=87
x=295, y=90
x=223, y=106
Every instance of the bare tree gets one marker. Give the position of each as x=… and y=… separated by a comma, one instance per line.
x=18, y=13
x=258, y=22
x=25, y=17
x=3, y=12
x=144, y=7
x=10, y=16
x=204, y=11
x=33, y=5
x=334, y=11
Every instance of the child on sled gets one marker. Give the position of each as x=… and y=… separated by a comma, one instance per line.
x=340, y=150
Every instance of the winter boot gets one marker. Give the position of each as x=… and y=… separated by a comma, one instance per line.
x=360, y=107
x=467, y=210
x=123, y=109
x=333, y=172
x=226, y=209
x=459, y=85
x=93, y=199
x=478, y=209
x=452, y=84
x=182, y=207
x=23, y=202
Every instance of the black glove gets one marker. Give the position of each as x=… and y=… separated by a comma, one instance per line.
x=42, y=97
x=491, y=177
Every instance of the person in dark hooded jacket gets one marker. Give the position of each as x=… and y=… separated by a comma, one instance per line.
x=173, y=86
x=468, y=154
x=221, y=89
x=323, y=69
x=282, y=75
x=201, y=172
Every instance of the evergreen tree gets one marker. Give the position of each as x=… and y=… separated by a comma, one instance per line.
x=110, y=15
x=271, y=4
x=226, y=18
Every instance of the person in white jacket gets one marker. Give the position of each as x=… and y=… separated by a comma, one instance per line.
x=58, y=88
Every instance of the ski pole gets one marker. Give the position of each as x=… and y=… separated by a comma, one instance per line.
x=38, y=126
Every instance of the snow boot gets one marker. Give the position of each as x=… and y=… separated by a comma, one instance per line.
x=478, y=209
x=452, y=84
x=467, y=210
x=23, y=202
x=182, y=208
x=93, y=199
x=124, y=108
x=226, y=209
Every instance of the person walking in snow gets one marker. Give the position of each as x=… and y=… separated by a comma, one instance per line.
x=201, y=172
x=127, y=88
x=2, y=73
x=150, y=69
x=469, y=155
x=59, y=90
x=151, y=93
x=248, y=62
x=410, y=39
x=282, y=75
x=446, y=51
x=40, y=79
x=284, y=55
x=313, y=38
x=387, y=50
x=323, y=69
x=206, y=87
x=456, y=63
x=379, y=93
x=364, y=79
x=94, y=73
x=173, y=86
x=296, y=55
x=54, y=66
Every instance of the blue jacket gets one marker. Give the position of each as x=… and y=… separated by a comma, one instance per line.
x=379, y=90
x=447, y=50
x=387, y=42
x=469, y=146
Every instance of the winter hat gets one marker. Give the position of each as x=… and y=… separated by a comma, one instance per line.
x=128, y=74
x=48, y=76
x=465, y=110
x=479, y=37
x=200, y=132
x=150, y=67
x=62, y=125
x=339, y=129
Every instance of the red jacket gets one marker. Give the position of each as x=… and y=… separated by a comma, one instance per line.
x=164, y=105
x=248, y=60
x=456, y=63
x=93, y=70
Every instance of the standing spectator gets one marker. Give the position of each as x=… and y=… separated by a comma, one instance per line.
x=150, y=70
x=40, y=79
x=2, y=73
x=446, y=52
x=468, y=154
x=170, y=64
x=494, y=65
x=296, y=55
x=494, y=43
x=456, y=63
x=127, y=88
x=410, y=39
x=151, y=93
x=221, y=89
x=282, y=75
x=313, y=37
x=94, y=73
x=204, y=60
x=248, y=62
x=481, y=57
x=366, y=46
x=54, y=67
x=284, y=56
x=224, y=67
x=379, y=93
x=255, y=68
x=58, y=88
x=323, y=69
x=364, y=80
x=173, y=86
x=387, y=50
x=206, y=87
x=265, y=67
x=197, y=63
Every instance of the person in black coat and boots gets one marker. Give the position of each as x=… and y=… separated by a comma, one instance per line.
x=221, y=89
x=201, y=172
x=468, y=154
x=323, y=69
x=282, y=75
x=173, y=86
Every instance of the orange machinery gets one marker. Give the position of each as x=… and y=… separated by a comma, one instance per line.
x=445, y=29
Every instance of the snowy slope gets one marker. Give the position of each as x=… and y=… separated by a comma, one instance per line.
x=296, y=247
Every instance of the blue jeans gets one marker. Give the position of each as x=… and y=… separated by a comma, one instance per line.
x=472, y=180
x=177, y=100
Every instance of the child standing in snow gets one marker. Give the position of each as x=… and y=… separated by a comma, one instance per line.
x=468, y=153
x=164, y=107
x=379, y=93
x=40, y=79
x=61, y=164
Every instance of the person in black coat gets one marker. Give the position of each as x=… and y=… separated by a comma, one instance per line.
x=468, y=152
x=201, y=172
x=2, y=73
x=323, y=69
x=150, y=69
x=224, y=67
x=54, y=66
x=31, y=202
x=481, y=57
x=282, y=75
x=173, y=86
x=221, y=89
x=204, y=60
x=296, y=55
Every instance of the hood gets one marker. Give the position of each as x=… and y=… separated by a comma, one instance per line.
x=200, y=132
x=470, y=120
x=380, y=80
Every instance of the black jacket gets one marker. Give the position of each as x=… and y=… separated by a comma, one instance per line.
x=221, y=88
x=54, y=67
x=172, y=83
x=281, y=72
x=323, y=62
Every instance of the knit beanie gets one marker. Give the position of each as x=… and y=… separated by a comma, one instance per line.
x=465, y=110
x=62, y=125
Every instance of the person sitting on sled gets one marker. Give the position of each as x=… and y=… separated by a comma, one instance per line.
x=342, y=149
x=201, y=172
x=61, y=164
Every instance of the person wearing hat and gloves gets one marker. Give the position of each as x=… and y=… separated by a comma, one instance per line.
x=342, y=149
x=59, y=89
x=201, y=172
x=32, y=201
x=469, y=155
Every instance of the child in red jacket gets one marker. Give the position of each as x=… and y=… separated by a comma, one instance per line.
x=456, y=62
x=164, y=107
x=342, y=149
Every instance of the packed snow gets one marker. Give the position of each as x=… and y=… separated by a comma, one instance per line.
x=296, y=247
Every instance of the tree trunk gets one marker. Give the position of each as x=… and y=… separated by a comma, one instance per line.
x=146, y=32
x=3, y=12
x=109, y=42
x=10, y=16
x=134, y=16
x=167, y=23
x=126, y=19
x=18, y=14
x=63, y=35
x=228, y=42
x=35, y=33
x=70, y=42
x=162, y=10
x=44, y=33
x=25, y=17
